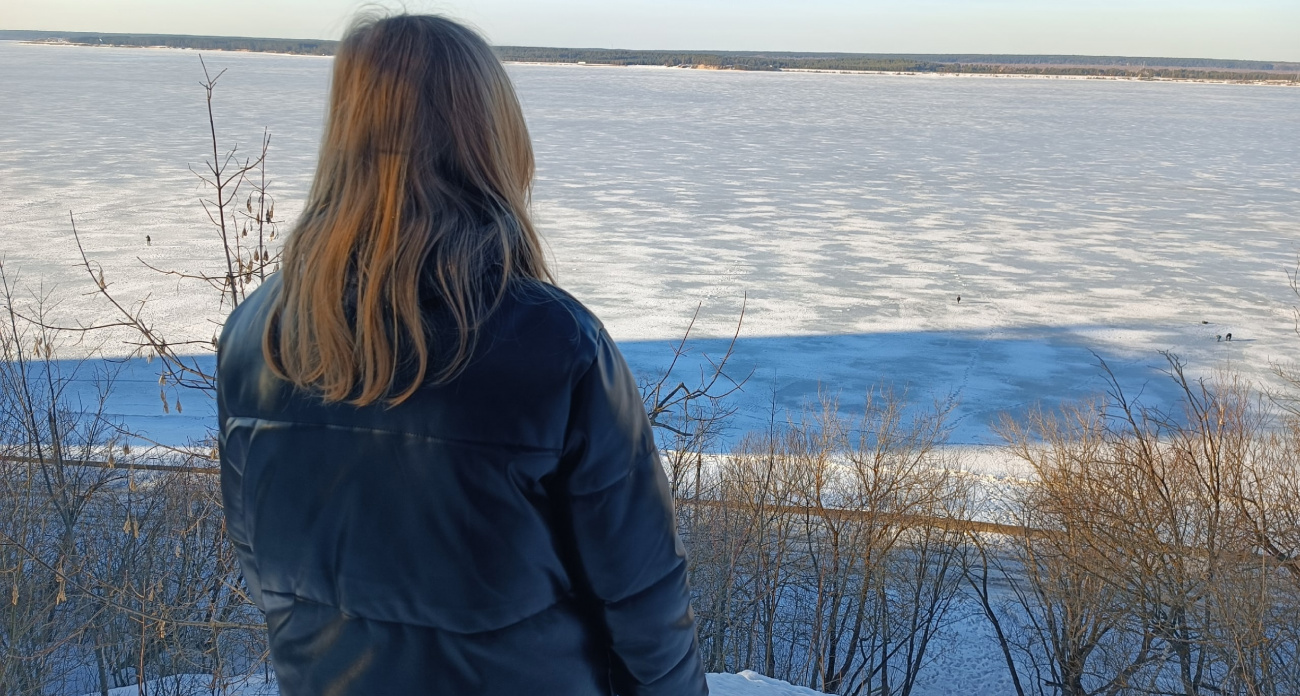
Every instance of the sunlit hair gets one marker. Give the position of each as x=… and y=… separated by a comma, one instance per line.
x=420, y=203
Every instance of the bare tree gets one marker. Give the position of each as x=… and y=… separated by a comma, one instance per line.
x=113, y=569
x=249, y=250
x=825, y=551
x=1150, y=570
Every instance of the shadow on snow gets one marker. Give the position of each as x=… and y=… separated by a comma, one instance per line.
x=983, y=375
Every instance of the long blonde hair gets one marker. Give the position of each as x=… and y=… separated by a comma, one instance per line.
x=422, y=188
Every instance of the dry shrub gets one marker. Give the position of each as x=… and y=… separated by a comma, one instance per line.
x=1157, y=556
x=826, y=551
x=112, y=573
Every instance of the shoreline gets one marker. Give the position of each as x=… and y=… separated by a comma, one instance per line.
x=824, y=71
x=937, y=75
x=1041, y=76
x=69, y=44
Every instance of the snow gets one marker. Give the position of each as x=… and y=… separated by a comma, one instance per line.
x=745, y=683
x=749, y=683
x=196, y=685
x=1077, y=219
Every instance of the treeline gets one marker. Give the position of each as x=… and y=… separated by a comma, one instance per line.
x=311, y=47
x=1140, y=73
x=973, y=63
x=788, y=59
x=1102, y=66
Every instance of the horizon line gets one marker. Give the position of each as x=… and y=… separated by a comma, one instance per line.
x=677, y=50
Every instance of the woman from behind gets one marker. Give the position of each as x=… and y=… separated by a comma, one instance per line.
x=437, y=471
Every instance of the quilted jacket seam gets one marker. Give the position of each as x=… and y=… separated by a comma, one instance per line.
x=536, y=449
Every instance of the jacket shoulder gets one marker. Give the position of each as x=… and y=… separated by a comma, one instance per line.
x=554, y=322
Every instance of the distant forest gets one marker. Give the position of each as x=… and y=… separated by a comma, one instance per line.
x=1107, y=66
x=1111, y=66
x=310, y=47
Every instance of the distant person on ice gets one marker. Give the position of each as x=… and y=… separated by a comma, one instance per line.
x=437, y=469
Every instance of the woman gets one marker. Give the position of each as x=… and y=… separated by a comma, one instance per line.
x=437, y=470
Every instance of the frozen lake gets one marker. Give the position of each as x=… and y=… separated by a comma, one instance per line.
x=1073, y=217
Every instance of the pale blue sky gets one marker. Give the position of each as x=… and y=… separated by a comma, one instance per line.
x=1258, y=29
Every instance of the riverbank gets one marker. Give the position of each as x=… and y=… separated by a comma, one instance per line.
x=1057, y=67
x=914, y=73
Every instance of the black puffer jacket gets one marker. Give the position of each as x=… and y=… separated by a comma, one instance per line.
x=509, y=533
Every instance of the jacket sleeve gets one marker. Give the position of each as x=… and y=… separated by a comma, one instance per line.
x=232, y=448
x=232, y=445
x=625, y=535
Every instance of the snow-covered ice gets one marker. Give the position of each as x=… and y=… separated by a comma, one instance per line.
x=1076, y=219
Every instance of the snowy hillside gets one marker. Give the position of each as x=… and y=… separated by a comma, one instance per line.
x=749, y=683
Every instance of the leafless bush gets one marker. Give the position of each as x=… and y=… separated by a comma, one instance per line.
x=689, y=419
x=1157, y=553
x=825, y=551
x=112, y=575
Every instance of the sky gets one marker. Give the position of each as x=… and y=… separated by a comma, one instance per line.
x=1249, y=29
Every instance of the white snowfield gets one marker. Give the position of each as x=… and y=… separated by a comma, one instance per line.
x=745, y=683
x=1076, y=219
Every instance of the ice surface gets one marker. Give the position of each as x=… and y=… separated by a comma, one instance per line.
x=1077, y=219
